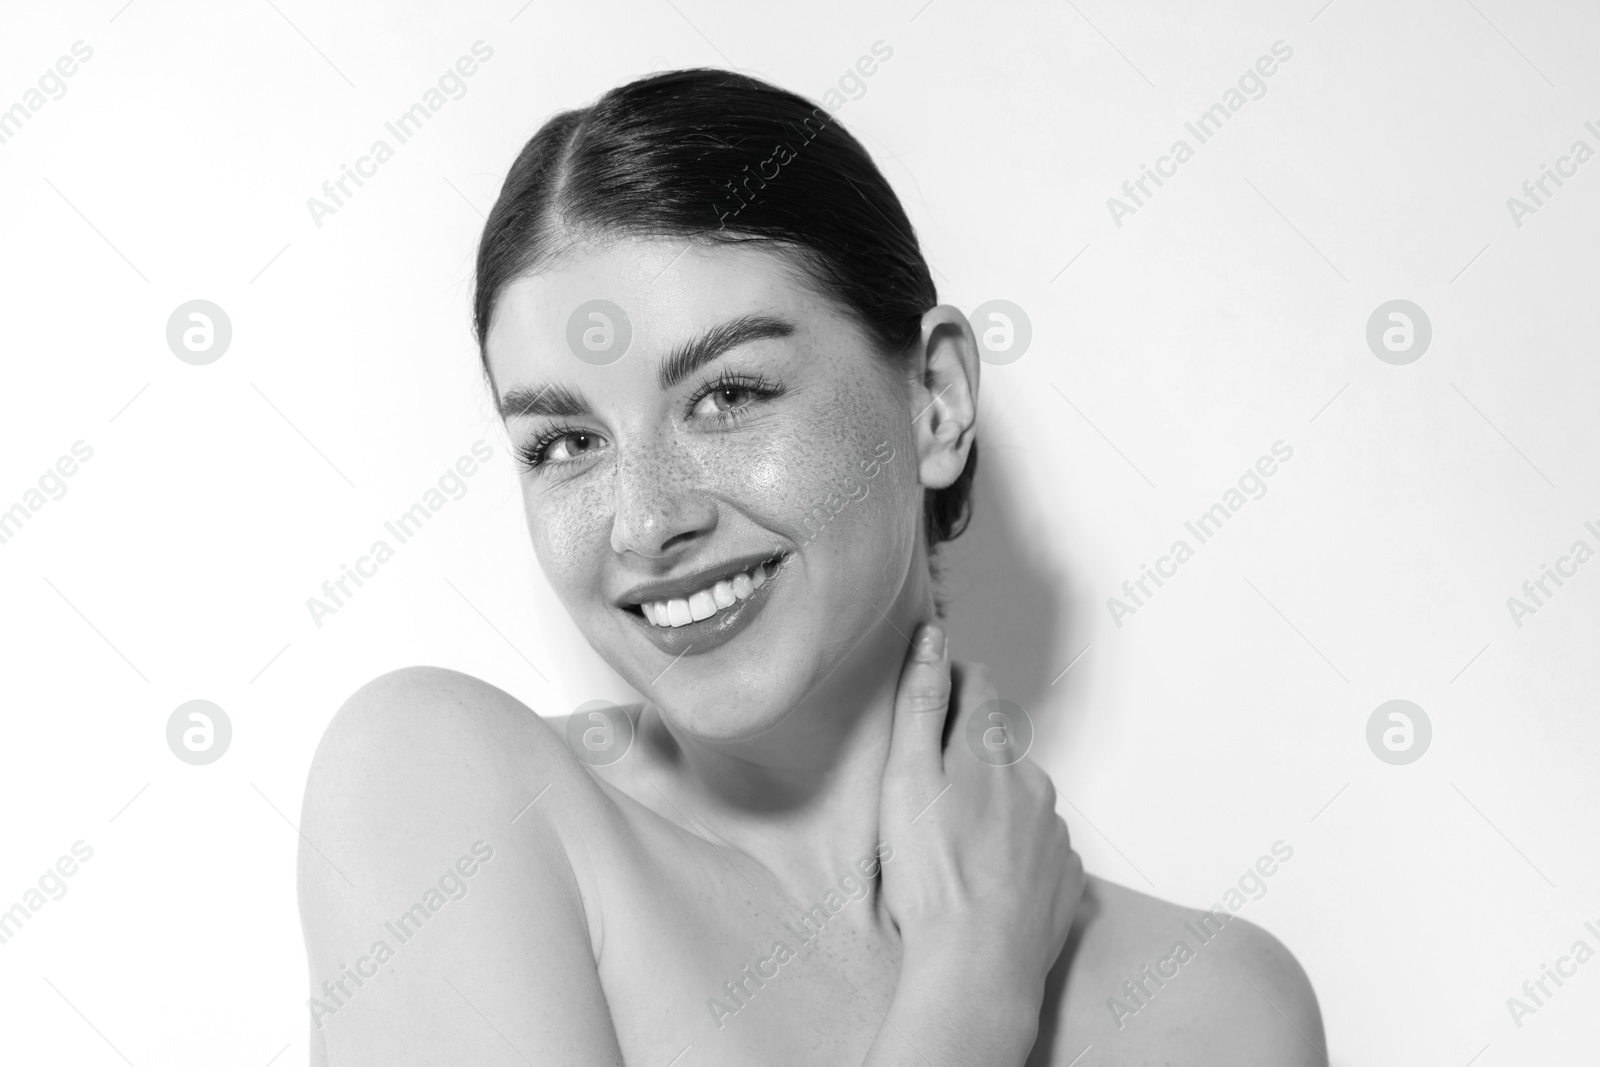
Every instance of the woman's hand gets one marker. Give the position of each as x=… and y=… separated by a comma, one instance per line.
x=983, y=881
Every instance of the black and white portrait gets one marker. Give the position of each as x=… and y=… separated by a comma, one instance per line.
x=679, y=534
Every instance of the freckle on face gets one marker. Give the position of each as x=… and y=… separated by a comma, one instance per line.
x=753, y=483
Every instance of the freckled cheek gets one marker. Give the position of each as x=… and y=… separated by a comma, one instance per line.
x=876, y=479
x=571, y=530
x=885, y=492
x=779, y=481
x=793, y=483
x=768, y=475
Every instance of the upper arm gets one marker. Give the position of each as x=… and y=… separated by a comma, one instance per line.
x=442, y=912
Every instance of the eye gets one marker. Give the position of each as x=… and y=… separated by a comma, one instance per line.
x=571, y=446
x=724, y=398
x=559, y=444
x=727, y=396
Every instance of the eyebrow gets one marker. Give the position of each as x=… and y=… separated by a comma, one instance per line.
x=724, y=337
x=557, y=401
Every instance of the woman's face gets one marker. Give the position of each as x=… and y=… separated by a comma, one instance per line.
x=747, y=463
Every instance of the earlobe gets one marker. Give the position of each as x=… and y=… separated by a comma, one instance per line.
x=945, y=396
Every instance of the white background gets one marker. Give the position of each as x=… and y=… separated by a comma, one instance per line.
x=1226, y=314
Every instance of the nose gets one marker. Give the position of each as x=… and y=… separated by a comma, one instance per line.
x=661, y=506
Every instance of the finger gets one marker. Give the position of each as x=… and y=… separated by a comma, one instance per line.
x=920, y=705
x=972, y=689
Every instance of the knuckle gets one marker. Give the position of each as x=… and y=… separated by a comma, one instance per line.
x=927, y=699
x=1036, y=781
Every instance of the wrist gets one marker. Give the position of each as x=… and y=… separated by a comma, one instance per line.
x=967, y=995
x=978, y=959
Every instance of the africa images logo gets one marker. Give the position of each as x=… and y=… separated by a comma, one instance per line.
x=1206, y=125
x=406, y=125
x=1204, y=527
x=406, y=526
x=854, y=885
x=1139, y=992
x=452, y=886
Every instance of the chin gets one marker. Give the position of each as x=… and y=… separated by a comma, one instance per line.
x=741, y=689
x=752, y=682
x=728, y=715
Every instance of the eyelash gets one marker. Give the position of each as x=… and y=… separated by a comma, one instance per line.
x=532, y=453
x=758, y=385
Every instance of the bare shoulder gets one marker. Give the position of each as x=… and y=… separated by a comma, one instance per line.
x=1149, y=982
x=424, y=752
x=408, y=708
x=416, y=765
x=431, y=787
x=424, y=745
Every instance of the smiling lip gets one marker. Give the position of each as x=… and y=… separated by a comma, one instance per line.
x=705, y=634
x=690, y=583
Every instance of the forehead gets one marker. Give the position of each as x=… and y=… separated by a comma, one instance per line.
x=668, y=290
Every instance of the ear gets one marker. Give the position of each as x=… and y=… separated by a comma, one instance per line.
x=944, y=398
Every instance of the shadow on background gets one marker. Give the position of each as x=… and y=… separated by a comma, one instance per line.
x=1008, y=603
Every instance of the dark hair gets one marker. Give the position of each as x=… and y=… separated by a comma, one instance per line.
x=717, y=156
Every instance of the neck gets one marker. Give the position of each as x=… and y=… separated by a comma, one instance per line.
x=802, y=799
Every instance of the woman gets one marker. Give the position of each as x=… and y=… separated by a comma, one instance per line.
x=745, y=424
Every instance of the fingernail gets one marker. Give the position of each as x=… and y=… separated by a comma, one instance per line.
x=933, y=642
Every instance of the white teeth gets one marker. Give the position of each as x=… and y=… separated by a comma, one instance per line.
x=681, y=611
